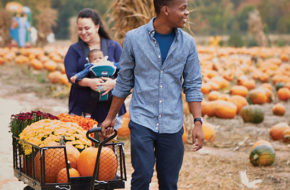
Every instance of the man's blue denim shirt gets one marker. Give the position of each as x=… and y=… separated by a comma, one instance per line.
x=156, y=100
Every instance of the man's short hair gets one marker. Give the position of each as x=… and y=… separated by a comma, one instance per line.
x=160, y=3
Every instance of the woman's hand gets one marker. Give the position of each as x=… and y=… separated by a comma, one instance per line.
x=95, y=82
x=108, y=84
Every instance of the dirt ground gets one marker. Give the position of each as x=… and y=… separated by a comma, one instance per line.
x=216, y=166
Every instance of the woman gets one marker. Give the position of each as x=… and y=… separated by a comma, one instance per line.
x=92, y=35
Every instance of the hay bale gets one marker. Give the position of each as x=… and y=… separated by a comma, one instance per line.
x=5, y=22
x=46, y=20
x=256, y=28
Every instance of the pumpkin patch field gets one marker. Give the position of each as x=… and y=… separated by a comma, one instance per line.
x=246, y=111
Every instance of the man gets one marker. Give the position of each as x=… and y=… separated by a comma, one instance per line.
x=158, y=61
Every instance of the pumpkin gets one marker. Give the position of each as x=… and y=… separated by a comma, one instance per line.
x=62, y=174
x=50, y=66
x=54, y=160
x=54, y=76
x=239, y=90
x=279, y=109
x=286, y=136
x=107, y=163
x=283, y=94
x=36, y=64
x=257, y=96
x=276, y=132
x=208, y=131
x=213, y=95
x=262, y=155
x=124, y=131
x=72, y=155
x=261, y=142
x=224, y=109
x=252, y=114
x=2, y=61
x=208, y=108
x=205, y=88
x=239, y=101
x=184, y=135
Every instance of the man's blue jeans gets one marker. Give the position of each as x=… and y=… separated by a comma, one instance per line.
x=148, y=146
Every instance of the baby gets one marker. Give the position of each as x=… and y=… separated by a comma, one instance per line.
x=95, y=58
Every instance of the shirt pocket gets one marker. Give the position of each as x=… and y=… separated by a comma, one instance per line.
x=176, y=66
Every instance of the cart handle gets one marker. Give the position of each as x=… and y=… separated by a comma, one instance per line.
x=99, y=129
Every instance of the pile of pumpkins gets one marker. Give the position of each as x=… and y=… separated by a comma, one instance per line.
x=79, y=163
x=50, y=59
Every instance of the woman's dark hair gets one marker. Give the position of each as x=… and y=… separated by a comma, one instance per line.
x=160, y=3
x=90, y=13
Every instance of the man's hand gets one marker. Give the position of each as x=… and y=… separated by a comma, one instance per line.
x=108, y=127
x=197, y=136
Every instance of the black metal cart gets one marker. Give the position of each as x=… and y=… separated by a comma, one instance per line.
x=25, y=170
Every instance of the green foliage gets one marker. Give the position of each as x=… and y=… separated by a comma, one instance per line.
x=235, y=40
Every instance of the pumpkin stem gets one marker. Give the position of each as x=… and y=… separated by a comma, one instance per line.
x=62, y=140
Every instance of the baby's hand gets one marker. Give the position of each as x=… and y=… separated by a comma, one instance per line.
x=73, y=79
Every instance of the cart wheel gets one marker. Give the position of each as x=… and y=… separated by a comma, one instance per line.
x=28, y=188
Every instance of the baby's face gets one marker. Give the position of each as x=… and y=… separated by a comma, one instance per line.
x=96, y=57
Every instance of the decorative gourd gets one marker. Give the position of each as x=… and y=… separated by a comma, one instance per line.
x=252, y=114
x=276, y=132
x=286, y=136
x=208, y=131
x=261, y=142
x=107, y=164
x=54, y=160
x=62, y=174
x=239, y=101
x=262, y=155
x=283, y=94
x=226, y=110
x=279, y=109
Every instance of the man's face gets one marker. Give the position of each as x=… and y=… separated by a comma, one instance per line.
x=177, y=13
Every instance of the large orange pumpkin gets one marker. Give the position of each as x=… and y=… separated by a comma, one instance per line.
x=54, y=159
x=107, y=165
x=226, y=110
x=72, y=155
x=207, y=108
x=257, y=96
x=276, y=132
x=124, y=131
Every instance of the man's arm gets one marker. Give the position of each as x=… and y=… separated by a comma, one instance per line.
x=197, y=134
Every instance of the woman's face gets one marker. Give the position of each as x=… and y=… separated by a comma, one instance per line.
x=87, y=30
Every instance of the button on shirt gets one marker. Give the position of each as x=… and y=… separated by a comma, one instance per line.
x=156, y=100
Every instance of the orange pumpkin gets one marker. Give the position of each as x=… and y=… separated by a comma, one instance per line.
x=239, y=101
x=35, y=64
x=213, y=95
x=283, y=94
x=124, y=131
x=107, y=165
x=257, y=96
x=276, y=132
x=239, y=90
x=208, y=131
x=54, y=159
x=72, y=155
x=207, y=108
x=279, y=109
x=184, y=135
x=205, y=88
x=62, y=174
x=226, y=110
x=50, y=66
